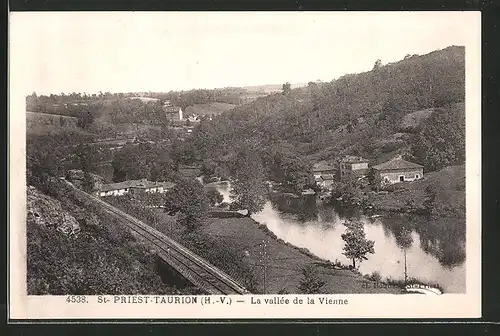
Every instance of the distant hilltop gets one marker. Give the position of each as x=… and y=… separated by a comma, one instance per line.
x=271, y=88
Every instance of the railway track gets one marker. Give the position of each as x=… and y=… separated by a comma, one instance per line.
x=194, y=268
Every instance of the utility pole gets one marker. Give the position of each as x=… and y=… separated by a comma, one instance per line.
x=406, y=273
x=264, y=263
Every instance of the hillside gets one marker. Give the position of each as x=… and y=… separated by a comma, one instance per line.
x=359, y=114
x=71, y=250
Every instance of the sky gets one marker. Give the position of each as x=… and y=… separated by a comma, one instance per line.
x=54, y=52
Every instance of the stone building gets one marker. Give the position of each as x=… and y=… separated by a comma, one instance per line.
x=398, y=170
x=351, y=166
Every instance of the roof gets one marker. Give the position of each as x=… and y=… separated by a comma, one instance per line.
x=171, y=109
x=396, y=164
x=327, y=177
x=353, y=159
x=321, y=166
x=141, y=184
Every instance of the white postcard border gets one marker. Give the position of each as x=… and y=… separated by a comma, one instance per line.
x=466, y=305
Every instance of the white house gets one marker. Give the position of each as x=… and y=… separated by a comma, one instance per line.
x=173, y=112
x=134, y=186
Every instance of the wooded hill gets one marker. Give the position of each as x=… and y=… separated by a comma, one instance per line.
x=360, y=114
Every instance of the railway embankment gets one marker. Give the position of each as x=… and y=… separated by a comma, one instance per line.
x=72, y=249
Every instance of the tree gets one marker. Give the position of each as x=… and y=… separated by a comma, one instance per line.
x=248, y=181
x=88, y=182
x=377, y=65
x=356, y=245
x=347, y=189
x=214, y=196
x=441, y=140
x=86, y=119
x=430, y=199
x=208, y=167
x=374, y=180
x=286, y=88
x=188, y=199
x=290, y=169
x=221, y=173
x=311, y=283
x=87, y=157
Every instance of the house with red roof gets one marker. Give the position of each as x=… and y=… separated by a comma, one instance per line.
x=398, y=170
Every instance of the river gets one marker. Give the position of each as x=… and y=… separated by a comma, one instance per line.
x=435, y=249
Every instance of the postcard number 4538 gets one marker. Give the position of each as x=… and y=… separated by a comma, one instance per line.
x=76, y=299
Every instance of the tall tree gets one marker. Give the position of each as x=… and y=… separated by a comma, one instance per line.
x=286, y=88
x=188, y=199
x=356, y=245
x=248, y=181
x=87, y=156
x=377, y=65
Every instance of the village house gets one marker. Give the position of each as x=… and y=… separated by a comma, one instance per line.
x=322, y=168
x=398, y=170
x=353, y=166
x=172, y=112
x=324, y=174
x=134, y=187
x=325, y=181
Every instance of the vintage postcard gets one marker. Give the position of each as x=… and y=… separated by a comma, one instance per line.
x=229, y=165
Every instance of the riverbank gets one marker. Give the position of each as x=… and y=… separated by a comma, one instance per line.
x=244, y=238
x=235, y=245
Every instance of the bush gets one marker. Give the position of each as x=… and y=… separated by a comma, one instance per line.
x=311, y=282
x=375, y=276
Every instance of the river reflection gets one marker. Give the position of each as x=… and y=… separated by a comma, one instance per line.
x=435, y=249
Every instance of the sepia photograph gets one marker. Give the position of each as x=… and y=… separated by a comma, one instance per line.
x=172, y=155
